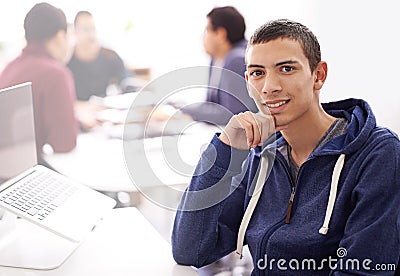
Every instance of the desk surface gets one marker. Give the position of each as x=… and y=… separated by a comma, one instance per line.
x=99, y=163
x=124, y=243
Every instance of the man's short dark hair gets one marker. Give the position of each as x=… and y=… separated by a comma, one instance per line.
x=231, y=20
x=284, y=28
x=43, y=21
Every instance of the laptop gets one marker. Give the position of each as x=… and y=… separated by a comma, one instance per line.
x=35, y=192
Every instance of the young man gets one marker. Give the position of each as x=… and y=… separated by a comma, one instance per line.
x=225, y=43
x=41, y=62
x=322, y=198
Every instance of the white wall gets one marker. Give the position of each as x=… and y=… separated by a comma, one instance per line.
x=359, y=39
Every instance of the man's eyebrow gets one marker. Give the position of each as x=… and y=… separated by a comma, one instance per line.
x=276, y=65
x=285, y=62
x=255, y=66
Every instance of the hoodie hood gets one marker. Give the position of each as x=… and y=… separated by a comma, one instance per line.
x=361, y=122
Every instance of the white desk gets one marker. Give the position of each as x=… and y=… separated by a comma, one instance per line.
x=98, y=161
x=124, y=243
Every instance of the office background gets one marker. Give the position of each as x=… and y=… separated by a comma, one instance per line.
x=359, y=39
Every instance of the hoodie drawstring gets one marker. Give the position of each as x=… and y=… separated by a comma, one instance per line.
x=332, y=194
x=257, y=193
x=252, y=205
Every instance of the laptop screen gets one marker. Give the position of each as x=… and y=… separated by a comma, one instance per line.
x=17, y=132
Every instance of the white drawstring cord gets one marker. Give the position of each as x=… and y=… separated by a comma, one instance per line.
x=332, y=194
x=252, y=205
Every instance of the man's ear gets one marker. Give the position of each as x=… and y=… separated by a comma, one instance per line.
x=222, y=33
x=321, y=72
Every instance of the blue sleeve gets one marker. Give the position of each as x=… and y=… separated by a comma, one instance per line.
x=373, y=227
x=211, y=208
x=208, y=112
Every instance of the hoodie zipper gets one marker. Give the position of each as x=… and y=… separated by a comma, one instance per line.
x=293, y=187
x=291, y=199
x=289, y=209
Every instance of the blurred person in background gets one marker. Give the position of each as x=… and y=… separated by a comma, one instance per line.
x=94, y=67
x=41, y=62
x=225, y=43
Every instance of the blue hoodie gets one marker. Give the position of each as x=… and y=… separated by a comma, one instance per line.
x=361, y=233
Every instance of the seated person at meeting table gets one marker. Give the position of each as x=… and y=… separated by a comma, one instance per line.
x=300, y=180
x=41, y=62
x=94, y=68
x=224, y=41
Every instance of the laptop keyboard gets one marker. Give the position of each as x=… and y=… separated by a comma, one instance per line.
x=38, y=196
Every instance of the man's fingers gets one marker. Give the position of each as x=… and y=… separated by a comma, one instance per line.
x=266, y=125
x=248, y=128
x=253, y=127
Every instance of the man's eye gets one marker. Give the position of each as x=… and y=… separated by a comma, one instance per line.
x=256, y=73
x=287, y=69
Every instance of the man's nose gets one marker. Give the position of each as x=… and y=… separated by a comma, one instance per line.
x=272, y=83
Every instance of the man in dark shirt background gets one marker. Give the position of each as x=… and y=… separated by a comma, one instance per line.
x=94, y=67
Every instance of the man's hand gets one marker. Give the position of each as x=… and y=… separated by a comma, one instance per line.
x=248, y=130
x=85, y=112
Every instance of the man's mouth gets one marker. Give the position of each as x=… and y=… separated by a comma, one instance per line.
x=276, y=104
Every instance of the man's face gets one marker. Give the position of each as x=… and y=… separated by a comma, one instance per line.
x=280, y=80
x=85, y=31
x=211, y=39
